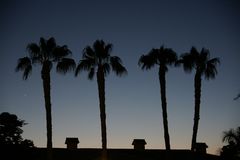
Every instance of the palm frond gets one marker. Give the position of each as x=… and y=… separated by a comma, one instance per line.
x=100, y=49
x=214, y=61
x=27, y=72
x=117, y=66
x=91, y=73
x=106, y=68
x=108, y=48
x=34, y=50
x=84, y=65
x=88, y=53
x=188, y=62
x=179, y=62
x=60, y=52
x=65, y=65
x=51, y=45
x=194, y=52
x=211, y=68
x=115, y=59
x=170, y=56
x=78, y=70
x=202, y=59
x=229, y=136
x=147, y=61
x=24, y=64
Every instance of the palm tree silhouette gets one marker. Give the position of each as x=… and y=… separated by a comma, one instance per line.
x=232, y=150
x=98, y=59
x=161, y=57
x=204, y=66
x=46, y=53
x=232, y=136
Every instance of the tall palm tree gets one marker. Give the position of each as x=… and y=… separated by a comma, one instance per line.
x=97, y=59
x=203, y=66
x=161, y=57
x=45, y=54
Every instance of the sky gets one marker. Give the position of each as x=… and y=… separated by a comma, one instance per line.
x=133, y=103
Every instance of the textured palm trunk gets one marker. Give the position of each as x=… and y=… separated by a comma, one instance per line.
x=162, y=80
x=47, y=98
x=101, y=94
x=197, y=85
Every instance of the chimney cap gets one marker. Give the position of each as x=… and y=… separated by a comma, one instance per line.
x=139, y=141
x=71, y=140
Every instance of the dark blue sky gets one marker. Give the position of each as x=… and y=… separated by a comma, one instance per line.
x=133, y=102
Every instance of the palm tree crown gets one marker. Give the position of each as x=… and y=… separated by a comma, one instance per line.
x=98, y=57
x=46, y=53
x=201, y=62
x=161, y=57
x=232, y=150
x=232, y=136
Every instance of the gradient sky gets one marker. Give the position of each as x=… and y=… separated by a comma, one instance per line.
x=132, y=102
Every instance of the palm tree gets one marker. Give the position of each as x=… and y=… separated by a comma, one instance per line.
x=161, y=57
x=97, y=59
x=45, y=54
x=232, y=136
x=203, y=66
x=232, y=150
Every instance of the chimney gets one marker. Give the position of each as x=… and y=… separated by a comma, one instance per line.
x=139, y=144
x=71, y=142
x=201, y=148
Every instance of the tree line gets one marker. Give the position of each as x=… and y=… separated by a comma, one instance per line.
x=97, y=59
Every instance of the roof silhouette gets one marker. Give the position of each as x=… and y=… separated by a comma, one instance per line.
x=113, y=154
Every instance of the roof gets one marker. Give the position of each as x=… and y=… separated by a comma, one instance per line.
x=113, y=154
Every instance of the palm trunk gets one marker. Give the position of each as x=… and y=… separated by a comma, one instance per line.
x=197, y=85
x=101, y=94
x=162, y=80
x=47, y=97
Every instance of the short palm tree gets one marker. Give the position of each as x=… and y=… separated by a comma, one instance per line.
x=232, y=136
x=232, y=150
x=161, y=57
x=45, y=54
x=203, y=66
x=97, y=59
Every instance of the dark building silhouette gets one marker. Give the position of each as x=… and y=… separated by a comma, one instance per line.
x=201, y=148
x=71, y=142
x=139, y=144
x=73, y=153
